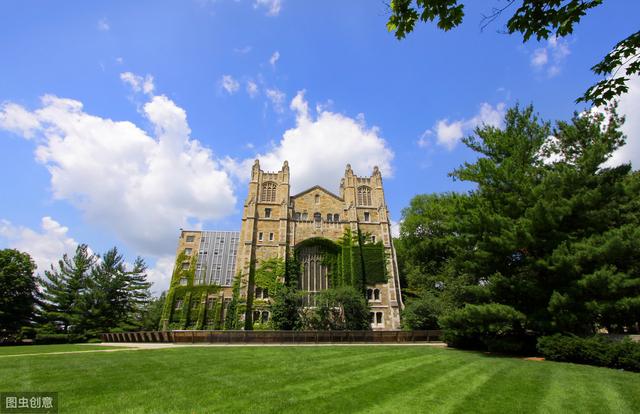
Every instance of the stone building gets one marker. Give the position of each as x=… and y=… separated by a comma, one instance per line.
x=337, y=239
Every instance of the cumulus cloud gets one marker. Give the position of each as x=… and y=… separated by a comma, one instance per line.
x=103, y=25
x=160, y=274
x=449, y=133
x=319, y=147
x=18, y=120
x=274, y=58
x=138, y=83
x=252, y=88
x=273, y=6
x=629, y=106
x=141, y=187
x=551, y=56
x=229, y=84
x=45, y=246
x=277, y=98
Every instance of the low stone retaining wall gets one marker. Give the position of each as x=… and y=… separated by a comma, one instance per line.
x=275, y=337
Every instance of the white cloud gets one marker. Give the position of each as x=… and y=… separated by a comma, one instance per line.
x=629, y=106
x=143, y=188
x=277, y=98
x=319, y=147
x=229, y=84
x=138, y=83
x=103, y=25
x=18, y=120
x=448, y=134
x=540, y=57
x=160, y=274
x=274, y=58
x=46, y=246
x=252, y=88
x=395, y=229
x=273, y=6
x=550, y=57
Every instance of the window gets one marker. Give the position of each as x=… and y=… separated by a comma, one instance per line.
x=378, y=318
x=372, y=318
x=256, y=316
x=265, y=293
x=188, y=251
x=304, y=216
x=297, y=216
x=373, y=239
x=367, y=216
x=268, y=194
x=364, y=196
x=185, y=265
x=376, y=294
x=267, y=212
x=183, y=281
x=329, y=217
x=336, y=217
x=317, y=198
x=265, y=317
x=317, y=217
x=178, y=304
x=369, y=294
x=260, y=236
x=270, y=236
x=190, y=239
x=258, y=294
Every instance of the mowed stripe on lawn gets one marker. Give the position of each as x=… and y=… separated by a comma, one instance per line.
x=318, y=379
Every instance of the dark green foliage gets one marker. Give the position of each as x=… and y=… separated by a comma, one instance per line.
x=84, y=296
x=151, y=313
x=18, y=292
x=58, y=338
x=549, y=231
x=596, y=350
x=231, y=319
x=422, y=313
x=493, y=327
x=539, y=19
x=342, y=308
x=285, y=304
x=64, y=287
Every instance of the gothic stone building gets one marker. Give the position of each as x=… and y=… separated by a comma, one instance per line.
x=276, y=224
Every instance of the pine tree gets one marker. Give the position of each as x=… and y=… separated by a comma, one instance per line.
x=64, y=286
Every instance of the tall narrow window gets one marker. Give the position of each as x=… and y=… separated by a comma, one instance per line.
x=260, y=236
x=376, y=294
x=378, y=318
x=317, y=217
x=367, y=216
x=336, y=217
x=329, y=217
x=270, y=236
x=317, y=198
x=268, y=194
x=364, y=196
x=267, y=212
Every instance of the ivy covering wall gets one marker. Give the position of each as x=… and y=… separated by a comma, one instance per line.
x=194, y=312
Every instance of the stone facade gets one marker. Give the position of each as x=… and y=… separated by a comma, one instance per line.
x=274, y=222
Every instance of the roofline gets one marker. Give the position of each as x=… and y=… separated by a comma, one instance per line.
x=315, y=187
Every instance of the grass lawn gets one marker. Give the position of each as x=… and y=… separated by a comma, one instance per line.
x=43, y=349
x=324, y=379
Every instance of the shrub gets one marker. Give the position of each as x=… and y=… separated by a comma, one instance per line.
x=597, y=350
x=422, y=313
x=58, y=338
x=493, y=327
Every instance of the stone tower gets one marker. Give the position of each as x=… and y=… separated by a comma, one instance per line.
x=274, y=223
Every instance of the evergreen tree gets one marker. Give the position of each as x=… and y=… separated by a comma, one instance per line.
x=63, y=289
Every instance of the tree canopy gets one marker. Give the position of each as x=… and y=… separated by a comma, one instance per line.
x=18, y=292
x=550, y=230
x=532, y=18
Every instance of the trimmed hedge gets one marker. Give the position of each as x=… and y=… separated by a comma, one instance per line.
x=596, y=350
x=492, y=327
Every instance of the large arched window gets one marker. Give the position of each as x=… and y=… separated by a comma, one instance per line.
x=314, y=277
x=364, y=196
x=268, y=194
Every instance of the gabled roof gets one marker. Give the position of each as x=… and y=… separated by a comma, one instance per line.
x=317, y=187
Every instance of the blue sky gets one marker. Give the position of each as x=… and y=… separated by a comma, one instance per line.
x=121, y=121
